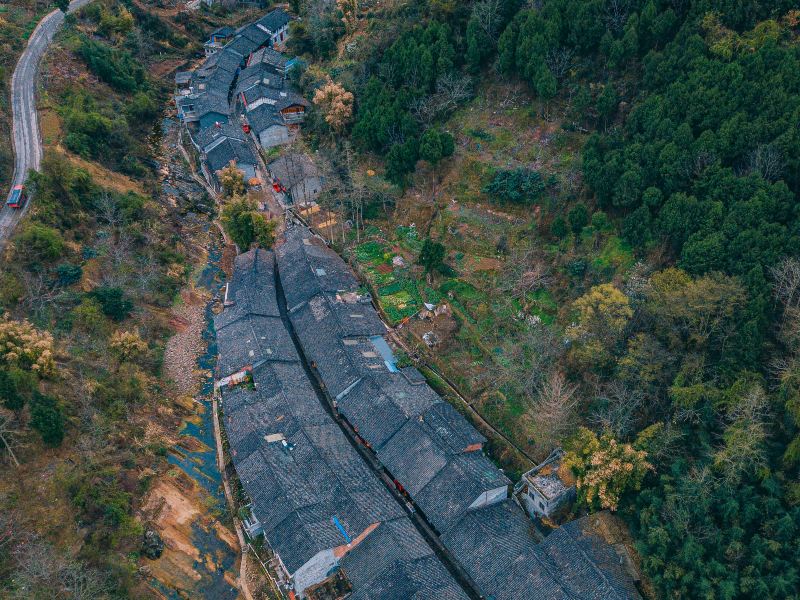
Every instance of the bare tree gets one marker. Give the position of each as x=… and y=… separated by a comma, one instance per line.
x=487, y=14
x=786, y=282
x=616, y=14
x=451, y=90
x=84, y=584
x=768, y=161
x=559, y=60
x=617, y=409
x=742, y=448
x=525, y=272
x=107, y=210
x=40, y=290
x=9, y=438
x=552, y=410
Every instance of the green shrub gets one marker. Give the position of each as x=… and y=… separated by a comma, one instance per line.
x=516, y=186
x=113, y=302
x=47, y=418
x=37, y=242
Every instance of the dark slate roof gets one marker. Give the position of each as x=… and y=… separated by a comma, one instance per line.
x=269, y=57
x=372, y=413
x=255, y=34
x=356, y=318
x=229, y=58
x=452, y=429
x=275, y=20
x=449, y=495
x=221, y=156
x=224, y=31
x=490, y=543
x=422, y=442
x=251, y=291
x=251, y=340
x=324, y=349
x=263, y=117
x=298, y=487
x=498, y=547
x=279, y=98
x=183, y=77
x=203, y=138
x=307, y=266
x=243, y=46
x=258, y=75
x=413, y=457
x=588, y=566
x=395, y=563
x=283, y=401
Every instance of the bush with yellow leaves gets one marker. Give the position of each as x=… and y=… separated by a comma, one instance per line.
x=127, y=345
x=605, y=468
x=25, y=347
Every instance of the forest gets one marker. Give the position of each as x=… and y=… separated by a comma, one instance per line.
x=672, y=383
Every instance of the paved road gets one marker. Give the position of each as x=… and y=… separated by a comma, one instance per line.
x=27, y=140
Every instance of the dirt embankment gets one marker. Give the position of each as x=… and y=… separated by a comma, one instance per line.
x=183, y=348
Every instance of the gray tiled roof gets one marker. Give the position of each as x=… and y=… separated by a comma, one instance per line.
x=498, y=547
x=237, y=151
x=255, y=34
x=394, y=563
x=229, y=58
x=278, y=98
x=299, y=487
x=204, y=138
x=491, y=543
x=272, y=58
x=371, y=412
x=449, y=495
x=324, y=349
x=452, y=428
x=413, y=457
x=587, y=565
x=258, y=75
x=251, y=289
x=251, y=340
x=307, y=267
x=422, y=441
x=303, y=476
x=205, y=103
x=243, y=46
x=263, y=117
x=224, y=31
x=275, y=20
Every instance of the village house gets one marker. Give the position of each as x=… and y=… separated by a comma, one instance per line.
x=547, y=488
x=183, y=81
x=297, y=175
x=220, y=145
x=276, y=24
x=218, y=39
x=268, y=128
x=289, y=105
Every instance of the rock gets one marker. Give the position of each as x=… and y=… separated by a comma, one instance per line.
x=153, y=545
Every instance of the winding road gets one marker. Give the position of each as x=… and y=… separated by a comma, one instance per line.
x=26, y=135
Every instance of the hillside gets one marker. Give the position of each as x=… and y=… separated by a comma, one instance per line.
x=109, y=486
x=600, y=199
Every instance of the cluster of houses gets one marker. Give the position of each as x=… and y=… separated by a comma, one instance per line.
x=333, y=528
x=240, y=93
x=322, y=512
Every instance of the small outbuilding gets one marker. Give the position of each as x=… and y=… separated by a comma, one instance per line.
x=548, y=487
